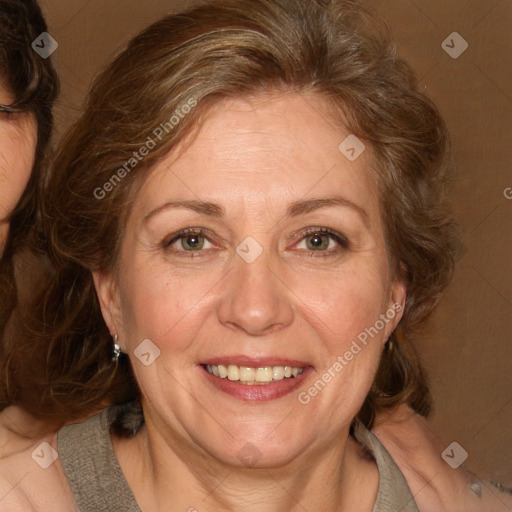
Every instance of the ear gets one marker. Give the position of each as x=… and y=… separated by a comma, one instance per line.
x=108, y=296
x=396, y=304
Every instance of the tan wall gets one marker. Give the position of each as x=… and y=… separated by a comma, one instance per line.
x=467, y=348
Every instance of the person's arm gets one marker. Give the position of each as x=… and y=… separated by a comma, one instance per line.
x=32, y=481
x=436, y=487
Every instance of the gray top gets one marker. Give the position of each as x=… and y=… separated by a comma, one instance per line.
x=98, y=484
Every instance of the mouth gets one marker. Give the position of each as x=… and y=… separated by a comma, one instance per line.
x=255, y=380
x=253, y=376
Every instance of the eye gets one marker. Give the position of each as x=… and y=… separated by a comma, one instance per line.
x=189, y=240
x=193, y=241
x=324, y=240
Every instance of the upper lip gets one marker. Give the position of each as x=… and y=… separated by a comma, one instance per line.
x=254, y=362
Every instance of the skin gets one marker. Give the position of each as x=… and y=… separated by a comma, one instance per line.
x=318, y=464
x=436, y=487
x=18, y=137
x=253, y=157
x=24, y=486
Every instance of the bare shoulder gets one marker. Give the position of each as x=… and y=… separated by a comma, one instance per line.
x=435, y=485
x=18, y=430
x=32, y=479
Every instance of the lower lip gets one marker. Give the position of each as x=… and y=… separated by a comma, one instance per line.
x=259, y=392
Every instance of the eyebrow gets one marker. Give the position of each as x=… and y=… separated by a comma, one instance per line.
x=293, y=210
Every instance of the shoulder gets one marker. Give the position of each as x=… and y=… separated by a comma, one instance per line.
x=393, y=490
x=84, y=448
x=32, y=479
x=32, y=476
x=18, y=430
x=436, y=487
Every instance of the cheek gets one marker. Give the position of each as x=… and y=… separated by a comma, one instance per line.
x=348, y=301
x=170, y=305
x=163, y=305
x=17, y=148
x=346, y=313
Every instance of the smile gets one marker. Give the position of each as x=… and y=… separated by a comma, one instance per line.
x=253, y=376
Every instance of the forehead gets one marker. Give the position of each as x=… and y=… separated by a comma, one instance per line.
x=263, y=150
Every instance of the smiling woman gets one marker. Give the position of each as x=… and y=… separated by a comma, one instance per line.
x=28, y=88
x=291, y=229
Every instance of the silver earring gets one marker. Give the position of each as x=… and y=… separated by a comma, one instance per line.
x=117, y=349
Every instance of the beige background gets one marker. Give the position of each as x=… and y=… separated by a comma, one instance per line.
x=467, y=347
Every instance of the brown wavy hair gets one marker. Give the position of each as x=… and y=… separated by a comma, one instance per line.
x=337, y=49
x=34, y=85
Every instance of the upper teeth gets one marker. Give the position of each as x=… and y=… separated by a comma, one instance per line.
x=248, y=375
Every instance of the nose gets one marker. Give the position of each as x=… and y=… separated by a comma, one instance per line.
x=256, y=299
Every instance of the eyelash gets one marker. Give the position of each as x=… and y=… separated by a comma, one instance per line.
x=338, y=237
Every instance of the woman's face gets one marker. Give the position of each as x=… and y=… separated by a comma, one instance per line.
x=290, y=269
x=18, y=139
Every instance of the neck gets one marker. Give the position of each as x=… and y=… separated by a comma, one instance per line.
x=337, y=477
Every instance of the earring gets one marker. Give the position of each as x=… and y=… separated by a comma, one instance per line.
x=389, y=345
x=117, y=349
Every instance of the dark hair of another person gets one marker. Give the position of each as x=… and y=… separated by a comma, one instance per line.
x=229, y=49
x=33, y=83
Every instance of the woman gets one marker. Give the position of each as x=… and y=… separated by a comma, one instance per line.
x=28, y=88
x=248, y=225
